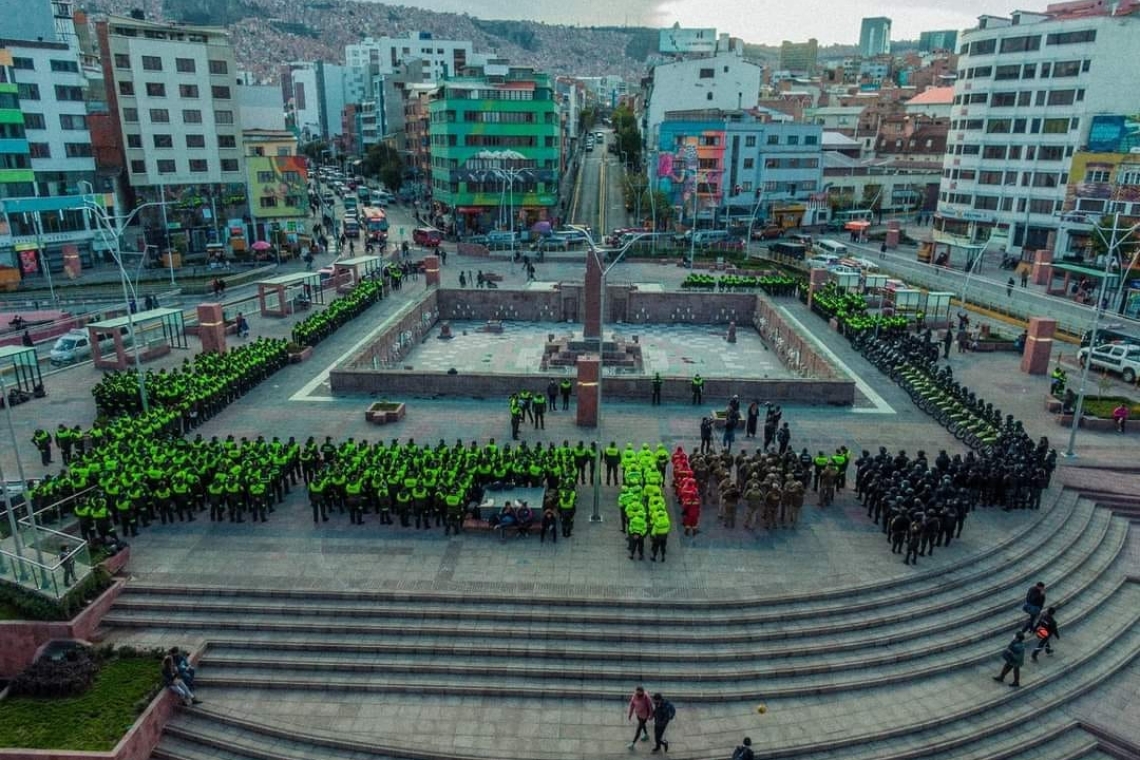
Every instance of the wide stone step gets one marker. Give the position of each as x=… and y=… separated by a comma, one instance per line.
x=749, y=680
x=1065, y=510
x=613, y=661
x=1087, y=557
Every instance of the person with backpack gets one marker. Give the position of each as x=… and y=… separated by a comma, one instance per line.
x=642, y=706
x=663, y=714
x=744, y=751
x=1046, y=631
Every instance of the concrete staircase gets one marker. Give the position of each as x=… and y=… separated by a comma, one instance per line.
x=887, y=671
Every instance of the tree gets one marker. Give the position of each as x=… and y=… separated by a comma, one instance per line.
x=587, y=117
x=627, y=134
x=314, y=150
x=384, y=162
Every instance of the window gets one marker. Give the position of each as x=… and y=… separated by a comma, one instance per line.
x=26, y=64
x=994, y=151
x=1021, y=44
x=195, y=141
x=989, y=178
x=127, y=89
x=1062, y=97
x=166, y=166
x=1003, y=99
x=750, y=141
x=184, y=65
x=1012, y=71
x=707, y=73
x=1039, y=206
x=68, y=66
x=1019, y=126
x=1014, y=152
x=134, y=141
x=219, y=68
x=160, y=116
x=122, y=61
x=1097, y=175
x=1040, y=97
x=268, y=201
x=996, y=126
x=265, y=177
x=71, y=121
x=224, y=117
x=151, y=63
x=227, y=141
x=986, y=202
x=28, y=91
x=1062, y=69
x=981, y=72
x=199, y=165
x=1128, y=176
x=191, y=116
x=793, y=139
x=1050, y=153
x=130, y=114
x=708, y=96
x=1055, y=126
x=749, y=163
x=163, y=141
x=187, y=90
x=1045, y=68
x=67, y=92
x=77, y=150
x=39, y=150
x=220, y=91
x=1071, y=38
x=34, y=121
x=229, y=165
x=773, y=139
x=1024, y=98
x=138, y=167
x=983, y=47
x=810, y=139
x=156, y=89
x=1044, y=179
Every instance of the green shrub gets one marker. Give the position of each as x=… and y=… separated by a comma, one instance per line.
x=69, y=676
x=1103, y=406
x=30, y=605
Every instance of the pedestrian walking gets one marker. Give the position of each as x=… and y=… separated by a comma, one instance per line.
x=744, y=751
x=640, y=705
x=947, y=339
x=1025, y=278
x=1009, y=288
x=1046, y=631
x=663, y=714
x=753, y=419
x=657, y=383
x=67, y=562
x=1013, y=658
x=1120, y=415
x=1034, y=603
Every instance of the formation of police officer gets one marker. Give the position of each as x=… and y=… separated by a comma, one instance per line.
x=526, y=408
x=431, y=486
x=642, y=503
x=922, y=504
x=313, y=329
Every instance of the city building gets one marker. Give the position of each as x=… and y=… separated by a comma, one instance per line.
x=1028, y=89
x=441, y=58
x=875, y=37
x=943, y=39
x=799, y=58
x=724, y=81
x=1103, y=180
x=173, y=87
x=46, y=158
x=717, y=166
x=678, y=41
x=259, y=106
x=934, y=101
x=314, y=96
x=278, y=187
x=495, y=149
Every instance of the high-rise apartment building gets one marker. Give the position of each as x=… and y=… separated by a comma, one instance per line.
x=495, y=148
x=442, y=58
x=943, y=39
x=174, y=89
x=799, y=58
x=1027, y=92
x=875, y=37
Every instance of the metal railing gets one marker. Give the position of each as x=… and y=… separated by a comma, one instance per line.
x=52, y=580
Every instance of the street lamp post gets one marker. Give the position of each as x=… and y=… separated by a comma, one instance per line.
x=38, y=221
x=1101, y=304
x=23, y=481
x=116, y=231
x=596, y=515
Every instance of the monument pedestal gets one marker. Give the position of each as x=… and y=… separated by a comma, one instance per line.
x=431, y=270
x=1038, y=346
x=211, y=328
x=589, y=373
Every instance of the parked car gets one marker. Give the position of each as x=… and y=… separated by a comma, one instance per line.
x=1121, y=358
x=75, y=345
x=429, y=237
x=767, y=232
x=727, y=245
x=502, y=239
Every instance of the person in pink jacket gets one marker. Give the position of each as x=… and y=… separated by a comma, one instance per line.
x=642, y=706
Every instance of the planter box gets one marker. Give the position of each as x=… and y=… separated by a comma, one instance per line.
x=995, y=345
x=383, y=412
x=1097, y=424
x=117, y=562
x=300, y=356
x=1053, y=405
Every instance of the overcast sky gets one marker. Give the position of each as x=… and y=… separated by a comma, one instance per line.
x=760, y=21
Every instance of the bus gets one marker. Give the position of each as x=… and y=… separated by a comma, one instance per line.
x=351, y=226
x=375, y=221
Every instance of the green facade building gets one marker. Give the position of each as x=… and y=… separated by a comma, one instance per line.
x=16, y=175
x=495, y=149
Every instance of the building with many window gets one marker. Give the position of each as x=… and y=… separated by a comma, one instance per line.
x=715, y=165
x=441, y=58
x=495, y=147
x=278, y=186
x=174, y=89
x=875, y=37
x=1027, y=91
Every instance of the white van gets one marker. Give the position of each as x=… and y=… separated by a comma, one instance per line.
x=75, y=345
x=830, y=248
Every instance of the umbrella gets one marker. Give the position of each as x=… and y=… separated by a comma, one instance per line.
x=857, y=224
x=261, y=245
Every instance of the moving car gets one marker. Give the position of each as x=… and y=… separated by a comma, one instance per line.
x=429, y=237
x=767, y=232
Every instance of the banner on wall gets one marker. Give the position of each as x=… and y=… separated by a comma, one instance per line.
x=72, y=266
x=29, y=261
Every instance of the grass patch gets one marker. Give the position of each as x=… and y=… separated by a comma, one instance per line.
x=9, y=611
x=1103, y=406
x=94, y=721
